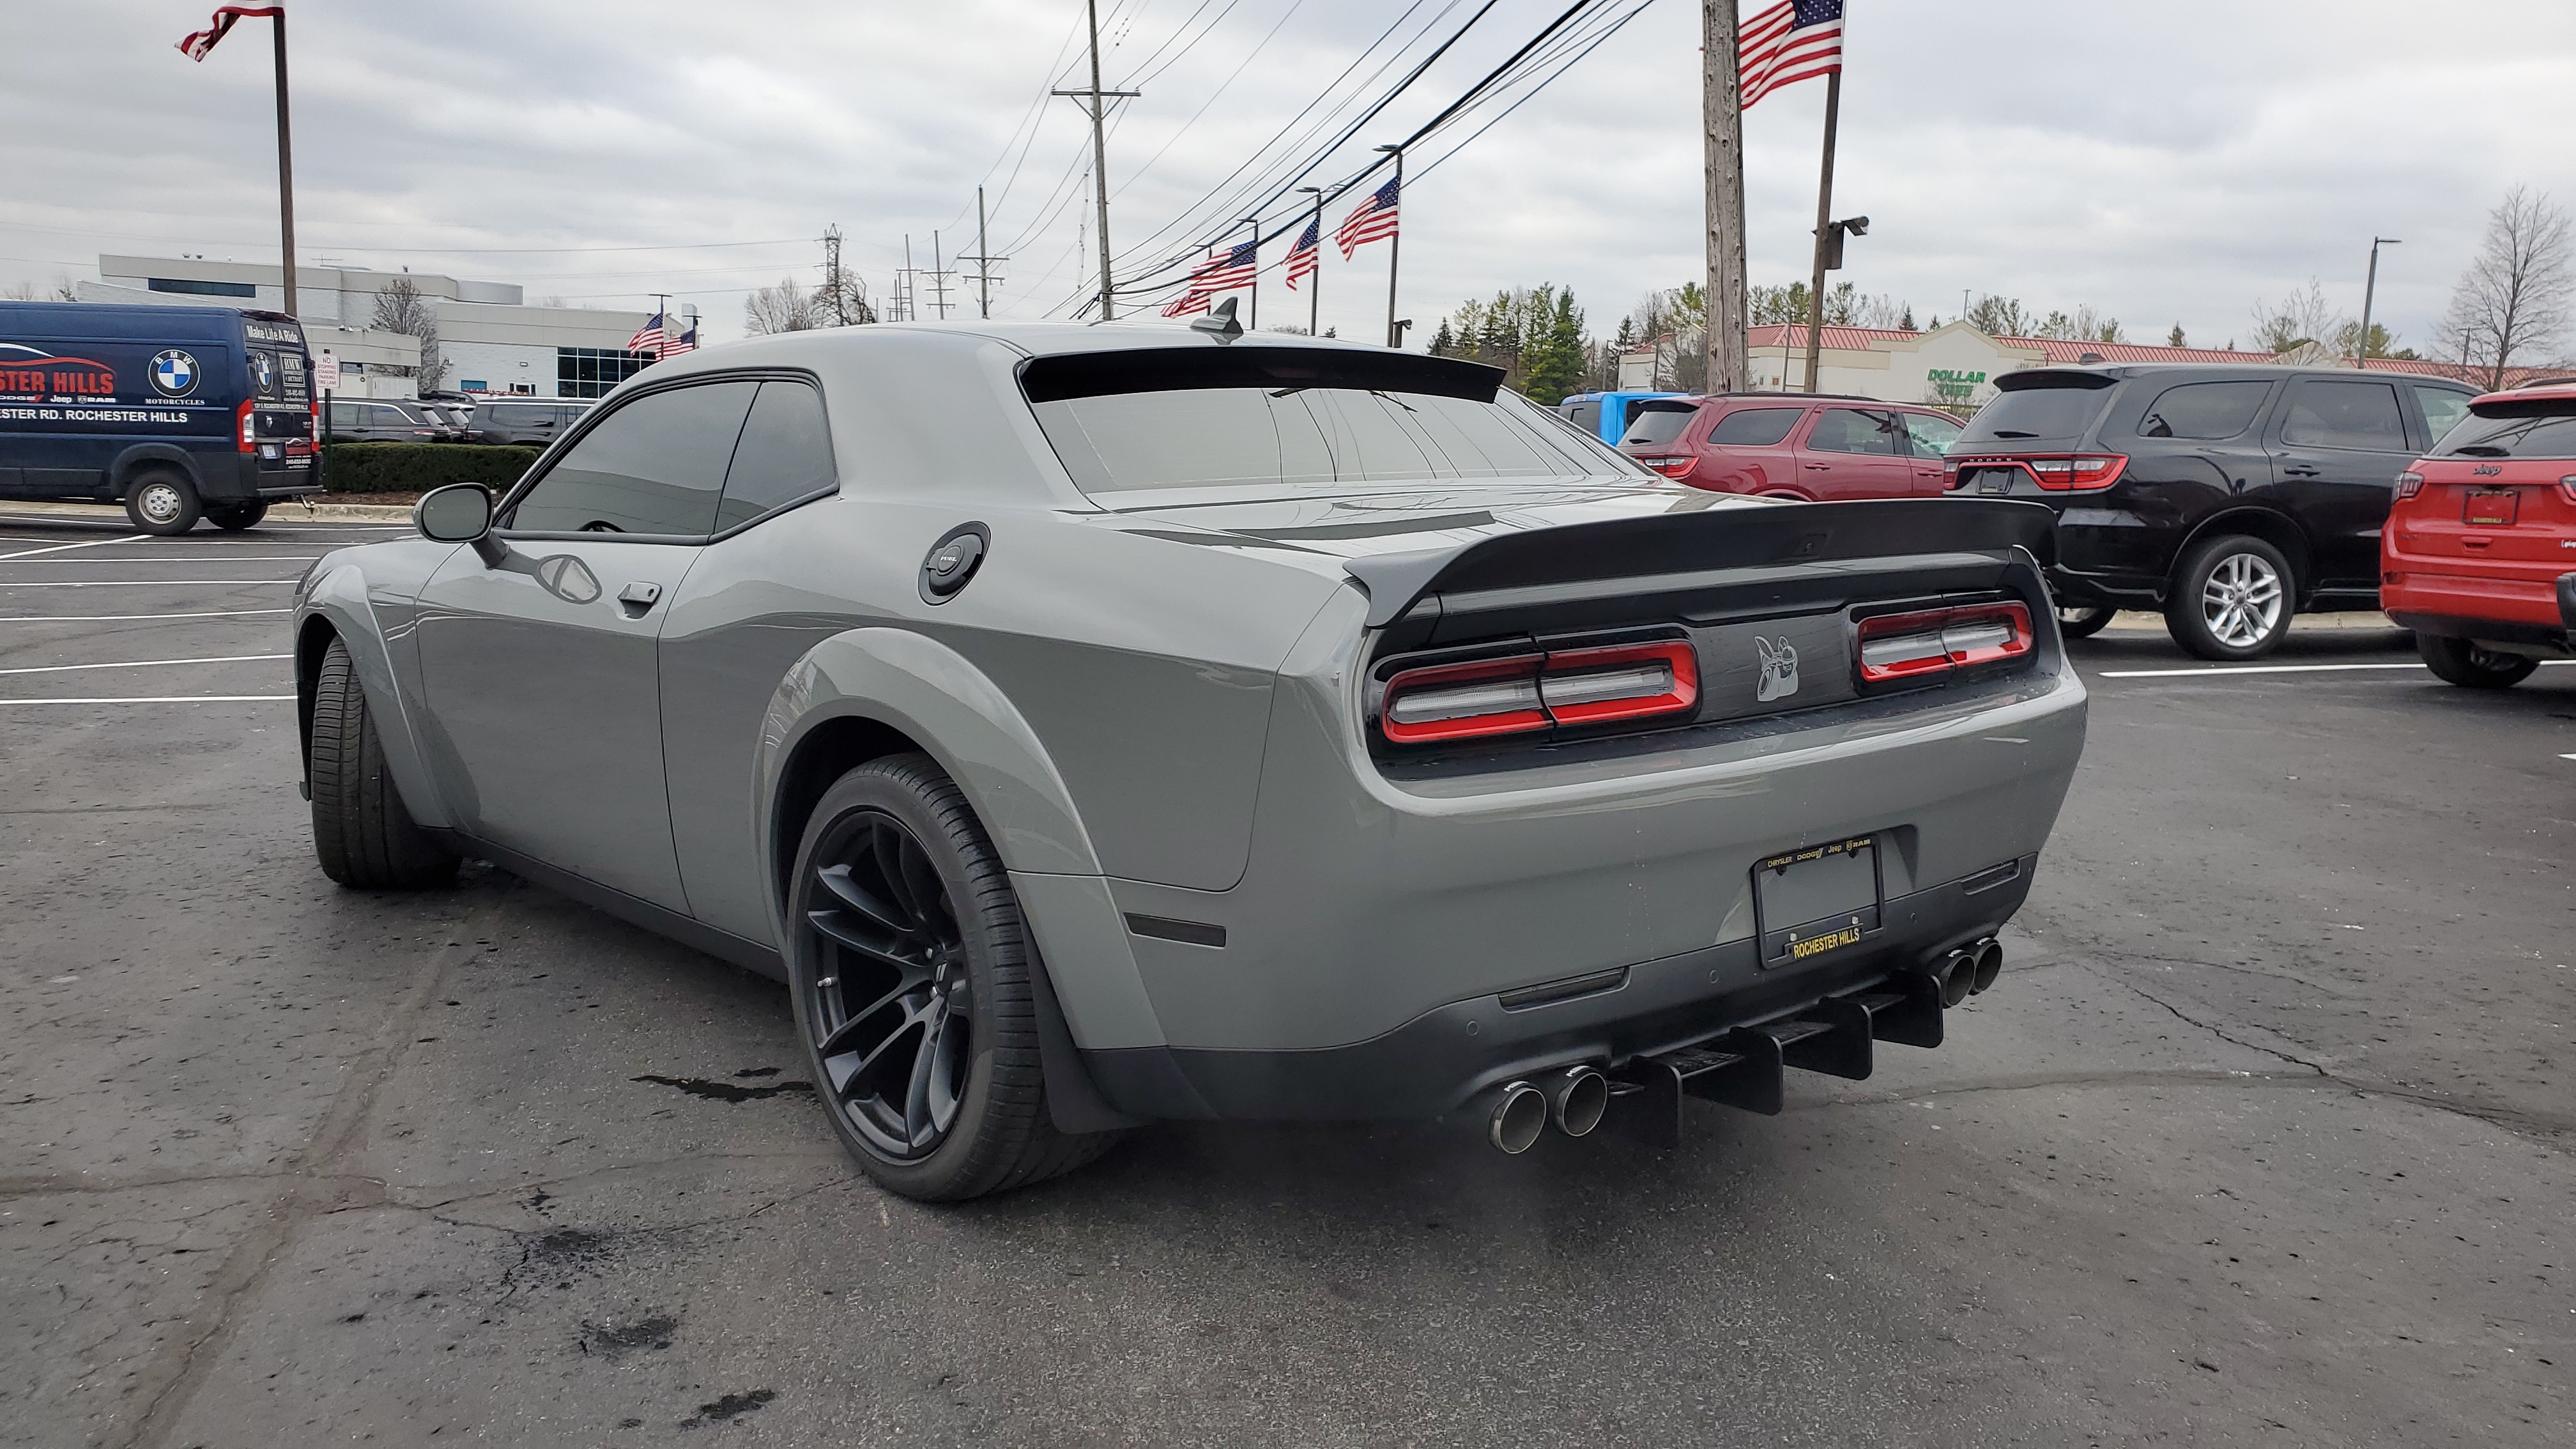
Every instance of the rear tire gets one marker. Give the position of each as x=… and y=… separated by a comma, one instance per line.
x=2084, y=623
x=362, y=834
x=912, y=975
x=234, y=517
x=2232, y=599
x=162, y=501
x=2465, y=664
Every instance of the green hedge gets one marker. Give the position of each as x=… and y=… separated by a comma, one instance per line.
x=419, y=467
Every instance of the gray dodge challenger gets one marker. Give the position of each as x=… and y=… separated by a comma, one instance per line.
x=1097, y=725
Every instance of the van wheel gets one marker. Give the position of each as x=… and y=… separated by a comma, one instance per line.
x=234, y=517
x=2230, y=599
x=362, y=833
x=2465, y=664
x=162, y=501
x=2083, y=623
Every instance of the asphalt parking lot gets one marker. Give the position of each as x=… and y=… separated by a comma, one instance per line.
x=2263, y=1138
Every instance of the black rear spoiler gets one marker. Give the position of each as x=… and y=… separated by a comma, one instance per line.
x=1670, y=548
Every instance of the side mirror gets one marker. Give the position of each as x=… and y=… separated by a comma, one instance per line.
x=457, y=513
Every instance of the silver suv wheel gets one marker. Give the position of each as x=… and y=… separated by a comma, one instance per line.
x=2242, y=600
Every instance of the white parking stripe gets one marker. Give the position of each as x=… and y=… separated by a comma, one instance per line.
x=164, y=699
x=148, y=583
x=130, y=618
x=58, y=548
x=142, y=663
x=2240, y=669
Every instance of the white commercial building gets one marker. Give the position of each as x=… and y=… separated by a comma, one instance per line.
x=489, y=338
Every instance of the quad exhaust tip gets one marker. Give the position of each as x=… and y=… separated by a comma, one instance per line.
x=1968, y=970
x=1576, y=1100
x=1520, y=1115
x=1990, y=964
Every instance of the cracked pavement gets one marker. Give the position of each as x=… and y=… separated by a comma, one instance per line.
x=2263, y=1138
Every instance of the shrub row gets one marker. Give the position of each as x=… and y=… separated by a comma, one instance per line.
x=419, y=467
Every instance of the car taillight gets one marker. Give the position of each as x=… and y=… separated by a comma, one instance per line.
x=1935, y=641
x=2060, y=475
x=1671, y=465
x=2567, y=485
x=1529, y=692
x=245, y=428
x=2409, y=484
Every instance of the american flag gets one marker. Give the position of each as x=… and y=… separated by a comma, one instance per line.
x=195, y=46
x=1370, y=220
x=1303, y=256
x=648, y=338
x=1790, y=42
x=1231, y=272
x=673, y=344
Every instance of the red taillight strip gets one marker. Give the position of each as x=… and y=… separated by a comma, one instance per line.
x=1529, y=692
x=1670, y=465
x=2061, y=473
x=1936, y=641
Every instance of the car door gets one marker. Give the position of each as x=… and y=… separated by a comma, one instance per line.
x=541, y=672
x=2336, y=452
x=1855, y=453
x=1928, y=437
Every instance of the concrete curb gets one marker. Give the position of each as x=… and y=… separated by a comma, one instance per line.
x=289, y=510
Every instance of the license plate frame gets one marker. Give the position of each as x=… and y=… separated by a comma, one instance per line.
x=1818, y=900
x=2490, y=507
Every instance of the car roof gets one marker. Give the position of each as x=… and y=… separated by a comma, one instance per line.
x=2109, y=373
x=2555, y=398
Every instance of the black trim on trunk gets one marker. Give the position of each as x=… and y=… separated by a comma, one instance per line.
x=1065, y=376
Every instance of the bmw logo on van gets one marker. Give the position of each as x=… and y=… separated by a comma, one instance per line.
x=174, y=373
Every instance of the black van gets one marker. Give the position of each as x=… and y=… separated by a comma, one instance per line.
x=2230, y=496
x=178, y=411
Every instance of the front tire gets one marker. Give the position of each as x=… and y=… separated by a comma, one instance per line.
x=234, y=517
x=2231, y=599
x=2083, y=623
x=362, y=834
x=2470, y=667
x=912, y=976
x=162, y=501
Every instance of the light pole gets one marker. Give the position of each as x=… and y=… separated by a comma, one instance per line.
x=1315, y=278
x=2369, y=290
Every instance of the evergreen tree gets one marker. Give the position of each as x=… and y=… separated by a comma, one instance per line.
x=1553, y=360
x=1442, y=342
x=1906, y=322
x=2174, y=338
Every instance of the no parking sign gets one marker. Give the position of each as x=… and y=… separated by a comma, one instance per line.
x=326, y=371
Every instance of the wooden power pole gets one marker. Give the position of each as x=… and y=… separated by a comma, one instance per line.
x=1723, y=114
x=1825, y=237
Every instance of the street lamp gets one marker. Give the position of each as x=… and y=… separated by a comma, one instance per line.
x=2361, y=346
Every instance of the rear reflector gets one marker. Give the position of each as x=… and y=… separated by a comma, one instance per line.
x=1529, y=692
x=1936, y=641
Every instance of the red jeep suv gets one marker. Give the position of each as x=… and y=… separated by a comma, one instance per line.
x=1793, y=445
x=2479, y=555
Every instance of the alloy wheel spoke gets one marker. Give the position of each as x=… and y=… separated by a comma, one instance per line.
x=886, y=848
x=917, y=1124
x=841, y=1038
x=835, y=926
x=845, y=887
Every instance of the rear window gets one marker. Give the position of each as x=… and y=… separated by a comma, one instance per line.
x=515, y=415
x=2056, y=412
x=2523, y=437
x=2204, y=410
x=1754, y=427
x=1657, y=424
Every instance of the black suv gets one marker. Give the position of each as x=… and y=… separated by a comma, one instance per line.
x=2228, y=496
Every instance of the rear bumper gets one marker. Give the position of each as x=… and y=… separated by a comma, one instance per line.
x=241, y=477
x=1441, y=1059
x=2537, y=611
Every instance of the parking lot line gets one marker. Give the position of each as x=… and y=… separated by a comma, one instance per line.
x=59, y=547
x=144, y=583
x=2240, y=669
x=164, y=699
x=141, y=663
x=130, y=618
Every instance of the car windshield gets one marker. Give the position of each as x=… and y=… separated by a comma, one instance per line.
x=2526, y=436
x=2052, y=412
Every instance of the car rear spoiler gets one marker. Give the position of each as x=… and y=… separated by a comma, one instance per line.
x=1672, y=548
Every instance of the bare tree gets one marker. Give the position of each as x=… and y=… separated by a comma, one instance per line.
x=2300, y=318
x=2514, y=297
x=783, y=308
x=400, y=307
x=61, y=291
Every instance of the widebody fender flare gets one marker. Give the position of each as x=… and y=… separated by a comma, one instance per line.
x=339, y=598
x=939, y=699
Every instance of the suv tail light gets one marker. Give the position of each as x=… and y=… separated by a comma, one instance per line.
x=245, y=427
x=1677, y=465
x=1529, y=692
x=1936, y=641
x=2060, y=475
x=2567, y=485
x=2409, y=484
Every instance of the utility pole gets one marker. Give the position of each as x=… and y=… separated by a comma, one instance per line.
x=984, y=260
x=1099, y=155
x=1315, y=278
x=1824, y=228
x=1394, y=244
x=911, y=280
x=2369, y=289
x=1722, y=115
x=662, y=316
x=938, y=279
x=285, y=167
x=1254, y=222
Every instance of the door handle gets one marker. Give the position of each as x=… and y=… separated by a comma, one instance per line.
x=639, y=597
x=1819, y=467
x=2300, y=470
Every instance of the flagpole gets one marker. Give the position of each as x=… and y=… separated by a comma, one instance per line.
x=285, y=167
x=1254, y=222
x=1394, y=247
x=1722, y=111
x=1315, y=278
x=1824, y=228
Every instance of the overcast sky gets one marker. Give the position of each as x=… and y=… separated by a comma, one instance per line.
x=2162, y=163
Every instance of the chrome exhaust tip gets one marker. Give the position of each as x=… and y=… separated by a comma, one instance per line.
x=1990, y=964
x=1958, y=977
x=1519, y=1116
x=1576, y=1099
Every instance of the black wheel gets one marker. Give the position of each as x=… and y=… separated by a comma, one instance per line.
x=162, y=501
x=234, y=517
x=2083, y=623
x=2467, y=665
x=361, y=832
x=910, y=968
x=2231, y=599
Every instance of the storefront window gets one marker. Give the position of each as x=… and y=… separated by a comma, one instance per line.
x=592, y=371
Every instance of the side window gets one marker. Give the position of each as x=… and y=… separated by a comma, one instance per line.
x=1931, y=433
x=2443, y=407
x=1587, y=416
x=2203, y=410
x=344, y=415
x=2345, y=415
x=1754, y=427
x=1656, y=425
x=655, y=466
x=1850, y=430
x=785, y=454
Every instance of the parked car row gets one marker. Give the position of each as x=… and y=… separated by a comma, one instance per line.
x=2228, y=498
x=451, y=420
